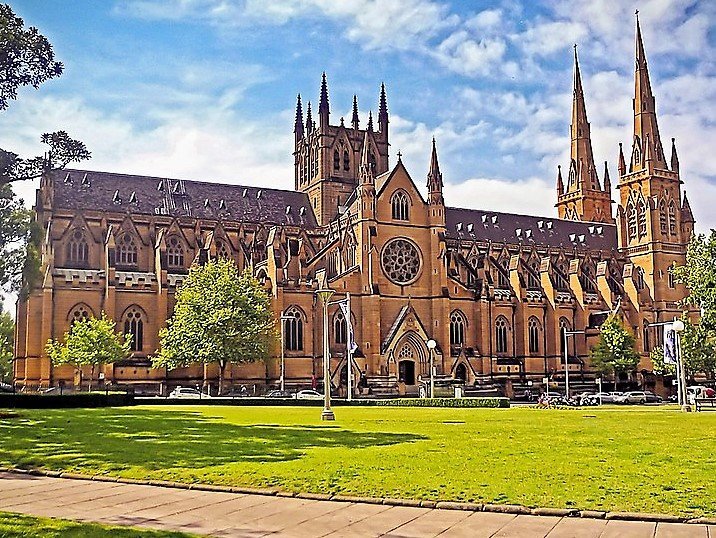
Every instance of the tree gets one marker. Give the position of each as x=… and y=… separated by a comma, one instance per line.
x=615, y=351
x=221, y=316
x=7, y=335
x=26, y=59
x=91, y=341
x=698, y=349
x=699, y=276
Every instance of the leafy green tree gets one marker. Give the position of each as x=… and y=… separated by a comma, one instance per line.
x=221, y=316
x=699, y=276
x=659, y=365
x=7, y=336
x=91, y=341
x=26, y=59
x=615, y=351
x=698, y=349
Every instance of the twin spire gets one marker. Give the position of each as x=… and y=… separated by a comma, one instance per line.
x=324, y=111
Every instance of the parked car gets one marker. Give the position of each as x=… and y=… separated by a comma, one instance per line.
x=279, y=394
x=603, y=398
x=187, y=393
x=236, y=392
x=652, y=398
x=4, y=387
x=309, y=394
x=633, y=397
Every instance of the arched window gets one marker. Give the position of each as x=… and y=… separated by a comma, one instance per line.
x=663, y=226
x=175, y=253
x=127, y=251
x=564, y=326
x=457, y=328
x=503, y=279
x=401, y=206
x=647, y=340
x=561, y=282
x=336, y=160
x=78, y=249
x=350, y=251
x=134, y=328
x=672, y=218
x=637, y=148
x=638, y=278
x=340, y=328
x=501, y=329
x=346, y=161
x=79, y=312
x=222, y=251
x=533, y=327
x=631, y=220
x=372, y=161
x=533, y=279
x=641, y=215
x=293, y=329
x=588, y=283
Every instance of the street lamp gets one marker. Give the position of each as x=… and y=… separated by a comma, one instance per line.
x=678, y=327
x=325, y=295
x=284, y=319
x=432, y=344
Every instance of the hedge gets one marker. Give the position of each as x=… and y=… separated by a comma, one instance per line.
x=65, y=401
x=446, y=402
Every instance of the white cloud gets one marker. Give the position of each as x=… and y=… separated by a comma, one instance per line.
x=463, y=54
x=546, y=38
x=529, y=196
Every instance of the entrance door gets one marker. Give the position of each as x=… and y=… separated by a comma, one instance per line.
x=406, y=372
x=461, y=372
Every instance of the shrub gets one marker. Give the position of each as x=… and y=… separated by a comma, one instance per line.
x=446, y=402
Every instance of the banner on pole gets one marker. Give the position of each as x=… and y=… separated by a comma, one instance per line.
x=669, y=344
x=352, y=346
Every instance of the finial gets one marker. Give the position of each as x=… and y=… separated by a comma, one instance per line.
x=399, y=155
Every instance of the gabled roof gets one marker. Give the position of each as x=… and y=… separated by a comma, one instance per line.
x=119, y=193
x=514, y=229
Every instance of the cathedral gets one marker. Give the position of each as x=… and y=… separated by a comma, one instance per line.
x=496, y=291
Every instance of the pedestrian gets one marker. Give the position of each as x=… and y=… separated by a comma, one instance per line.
x=314, y=382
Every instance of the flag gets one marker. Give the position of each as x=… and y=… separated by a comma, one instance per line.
x=352, y=346
x=669, y=344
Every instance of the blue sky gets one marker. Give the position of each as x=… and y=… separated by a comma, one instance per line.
x=205, y=89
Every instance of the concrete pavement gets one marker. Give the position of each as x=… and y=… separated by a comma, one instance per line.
x=226, y=514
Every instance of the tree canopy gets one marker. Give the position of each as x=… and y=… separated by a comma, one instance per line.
x=91, y=341
x=221, y=316
x=699, y=276
x=26, y=59
x=615, y=350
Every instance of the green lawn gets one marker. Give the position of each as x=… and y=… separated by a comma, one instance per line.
x=22, y=526
x=632, y=459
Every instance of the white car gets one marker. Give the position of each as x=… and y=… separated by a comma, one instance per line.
x=187, y=393
x=309, y=395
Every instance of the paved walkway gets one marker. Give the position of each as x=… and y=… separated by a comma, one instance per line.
x=233, y=514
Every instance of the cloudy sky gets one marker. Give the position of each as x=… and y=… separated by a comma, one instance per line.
x=206, y=89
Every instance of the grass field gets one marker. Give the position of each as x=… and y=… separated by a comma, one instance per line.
x=631, y=459
x=22, y=526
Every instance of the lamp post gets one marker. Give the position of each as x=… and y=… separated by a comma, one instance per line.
x=566, y=359
x=325, y=295
x=678, y=327
x=283, y=347
x=432, y=344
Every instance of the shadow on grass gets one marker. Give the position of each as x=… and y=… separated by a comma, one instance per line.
x=153, y=440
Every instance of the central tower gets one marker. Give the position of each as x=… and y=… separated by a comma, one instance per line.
x=327, y=157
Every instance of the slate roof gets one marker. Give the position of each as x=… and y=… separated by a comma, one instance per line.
x=109, y=192
x=514, y=229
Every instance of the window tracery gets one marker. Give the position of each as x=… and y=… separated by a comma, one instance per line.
x=401, y=261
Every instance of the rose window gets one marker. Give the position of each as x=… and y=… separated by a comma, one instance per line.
x=401, y=261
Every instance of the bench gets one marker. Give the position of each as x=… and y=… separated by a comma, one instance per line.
x=705, y=404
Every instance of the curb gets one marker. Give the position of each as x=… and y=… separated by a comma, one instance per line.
x=416, y=503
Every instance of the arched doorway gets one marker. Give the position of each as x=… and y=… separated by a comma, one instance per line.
x=461, y=372
x=407, y=355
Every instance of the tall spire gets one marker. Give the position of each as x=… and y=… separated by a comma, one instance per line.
x=560, y=182
x=366, y=171
x=383, y=111
x=581, y=154
x=686, y=213
x=323, y=108
x=355, y=121
x=607, y=180
x=674, y=157
x=309, y=119
x=370, y=120
x=645, y=124
x=435, y=179
x=298, y=126
x=622, y=163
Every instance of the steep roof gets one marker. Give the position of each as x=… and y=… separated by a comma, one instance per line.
x=109, y=192
x=513, y=229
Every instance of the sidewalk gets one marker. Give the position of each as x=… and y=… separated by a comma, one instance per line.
x=243, y=515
